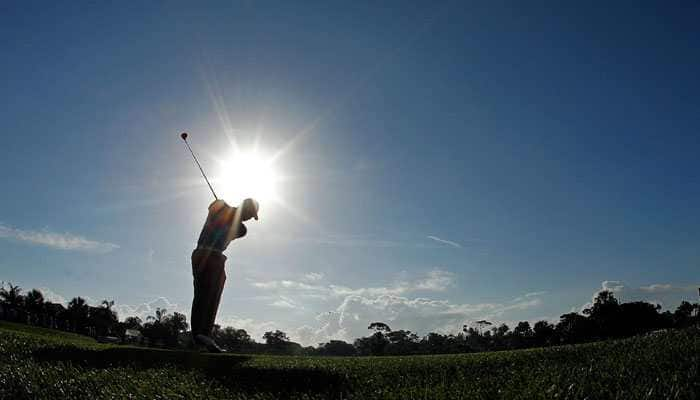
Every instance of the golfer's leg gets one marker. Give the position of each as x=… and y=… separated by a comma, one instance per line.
x=195, y=313
x=198, y=301
x=215, y=285
x=218, y=278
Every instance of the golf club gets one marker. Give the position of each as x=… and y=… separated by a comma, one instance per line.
x=183, y=135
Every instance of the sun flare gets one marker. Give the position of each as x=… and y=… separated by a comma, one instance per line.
x=247, y=174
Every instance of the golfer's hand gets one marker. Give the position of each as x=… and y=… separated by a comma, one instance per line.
x=217, y=204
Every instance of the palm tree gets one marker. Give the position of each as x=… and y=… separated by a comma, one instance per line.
x=103, y=318
x=108, y=304
x=77, y=304
x=78, y=311
x=34, y=302
x=12, y=296
x=160, y=314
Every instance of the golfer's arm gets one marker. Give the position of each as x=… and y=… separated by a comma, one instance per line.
x=234, y=233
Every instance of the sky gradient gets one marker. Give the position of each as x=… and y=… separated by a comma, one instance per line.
x=442, y=163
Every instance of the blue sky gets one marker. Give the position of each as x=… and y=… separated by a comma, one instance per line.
x=442, y=162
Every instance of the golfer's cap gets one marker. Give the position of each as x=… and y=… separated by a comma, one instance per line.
x=251, y=205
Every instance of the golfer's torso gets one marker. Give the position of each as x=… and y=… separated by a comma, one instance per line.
x=216, y=233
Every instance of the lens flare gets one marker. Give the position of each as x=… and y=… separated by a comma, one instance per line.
x=247, y=174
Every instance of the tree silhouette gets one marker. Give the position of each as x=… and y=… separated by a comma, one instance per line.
x=379, y=327
x=34, y=300
x=12, y=296
x=275, y=338
x=336, y=348
x=103, y=318
x=133, y=323
x=522, y=335
x=108, y=304
x=234, y=340
x=372, y=345
x=639, y=317
x=78, y=312
x=605, y=318
x=543, y=333
x=482, y=324
x=575, y=328
x=176, y=323
x=501, y=330
x=683, y=316
x=604, y=314
x=278, y=342
x=402, y=342
x=523, y=329
x=34, y=303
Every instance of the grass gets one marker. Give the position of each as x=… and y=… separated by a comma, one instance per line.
x=40, y=363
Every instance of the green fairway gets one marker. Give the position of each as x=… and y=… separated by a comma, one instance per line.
x=40, y=363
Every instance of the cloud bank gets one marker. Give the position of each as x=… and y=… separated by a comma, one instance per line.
x=436, y=280
x=403, y=304
x=59, y=241
x=421, y=315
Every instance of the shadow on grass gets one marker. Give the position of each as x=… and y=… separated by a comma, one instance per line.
x=230, y=370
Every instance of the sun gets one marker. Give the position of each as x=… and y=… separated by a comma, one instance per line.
x=247, y=173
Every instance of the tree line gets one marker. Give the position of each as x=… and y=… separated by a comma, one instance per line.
x=606, y=318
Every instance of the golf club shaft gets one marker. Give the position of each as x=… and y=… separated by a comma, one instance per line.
x=200, y=169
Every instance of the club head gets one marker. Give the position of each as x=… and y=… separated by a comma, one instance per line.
x=183, y=135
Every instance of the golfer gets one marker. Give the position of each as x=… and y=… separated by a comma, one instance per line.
x=224, y=224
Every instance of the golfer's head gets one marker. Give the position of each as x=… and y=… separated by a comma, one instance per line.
x=249, y=209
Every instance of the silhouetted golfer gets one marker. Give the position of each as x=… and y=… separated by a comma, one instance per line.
x=224, y=223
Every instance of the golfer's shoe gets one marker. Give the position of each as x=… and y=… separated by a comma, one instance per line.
x=209, y=343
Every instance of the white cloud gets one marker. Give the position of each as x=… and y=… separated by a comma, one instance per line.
x=282, y=303
x=528, y=295
x=613, y=286
x=445, y=241
x=435, y=280
x=287, y=284
x=255, y=329
x=308, y=336
x=392, y=304
x=669, y=288
x=146, y=309
x=51, y=296
x=533, y=294
x=421, y=315
x=61, y=241
x=657, y=287
x=286, y=302
x=313, y=276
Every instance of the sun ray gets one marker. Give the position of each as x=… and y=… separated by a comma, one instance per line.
x=251, y=172
x=308, y=129
x=298, y=213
